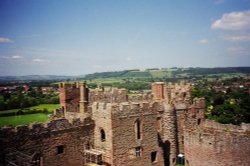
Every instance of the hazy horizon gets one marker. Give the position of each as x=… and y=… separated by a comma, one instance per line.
x=61, y=37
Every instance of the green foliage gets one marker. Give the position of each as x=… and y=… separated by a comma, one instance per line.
x=23, y=100
x=232, y=106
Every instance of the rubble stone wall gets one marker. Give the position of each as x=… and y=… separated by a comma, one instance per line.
x=217, y=144
x=125, y=117
x=45, y=140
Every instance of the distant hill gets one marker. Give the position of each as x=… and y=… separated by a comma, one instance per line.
x=173, y=72
x=169, y=72
x=35, y=78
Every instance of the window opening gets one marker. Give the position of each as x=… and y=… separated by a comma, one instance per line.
x=103, y=136
x=60, y=149
x=153, y=156
x=138, y=151
x=199, y=121
x=138, y=129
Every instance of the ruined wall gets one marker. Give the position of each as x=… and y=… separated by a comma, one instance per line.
x=69, y=96
x=178, y=93
x=188, y=115
x=158, y=90
x=125, y=134
x=217, y=144
x=108, y=95
x=101, y=114
x=58, y=143
x=140, y=98
x=169, y=134
x=176, y=102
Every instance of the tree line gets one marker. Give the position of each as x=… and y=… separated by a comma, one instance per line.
x=33, y=97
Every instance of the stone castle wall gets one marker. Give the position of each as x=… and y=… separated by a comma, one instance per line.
x=69, y=96
x=108, y=95
x=101, y=114
x=150, y=129
x=217, y=144
x=125, y=120
x=45, y=139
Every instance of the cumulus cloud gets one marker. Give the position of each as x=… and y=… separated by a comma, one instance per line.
x=233, y=21
x=203, y=41
x=40, y=60
x=5, y=40
x=238, y=38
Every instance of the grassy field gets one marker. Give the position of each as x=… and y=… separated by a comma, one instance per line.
x=28, y=118
x=49, y=107
x=161, y=73
x=106, y=80
x=22, y=119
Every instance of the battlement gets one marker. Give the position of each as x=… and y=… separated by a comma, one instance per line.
x=69, y=85
x=127, y=108
x=140, y=97
x=108, y=91
x=108, y=94
x=210, y=124
x=54, y=125
x=172, y=92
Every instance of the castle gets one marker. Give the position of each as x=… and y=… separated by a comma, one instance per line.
x=106, y=126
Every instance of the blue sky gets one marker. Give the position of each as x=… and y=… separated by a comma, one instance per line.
x=71, y=37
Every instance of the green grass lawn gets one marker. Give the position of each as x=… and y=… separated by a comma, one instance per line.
x=49, y=107
x=22, y=119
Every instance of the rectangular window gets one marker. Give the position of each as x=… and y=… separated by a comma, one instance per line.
x=153, y=156
x=60, y=149
x=138, y=151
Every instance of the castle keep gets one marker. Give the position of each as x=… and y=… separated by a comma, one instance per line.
x=104, y=126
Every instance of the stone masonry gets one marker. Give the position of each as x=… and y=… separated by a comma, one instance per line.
x=104, y=126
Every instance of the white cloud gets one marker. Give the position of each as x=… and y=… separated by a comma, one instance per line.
x=233, y=21
x=16, y=57
x=40, y=60
x=5, y=40
x=238, y=38
x=203, y=41
x=11, y=57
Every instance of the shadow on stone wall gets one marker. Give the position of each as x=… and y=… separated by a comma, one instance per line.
x=166, y=150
